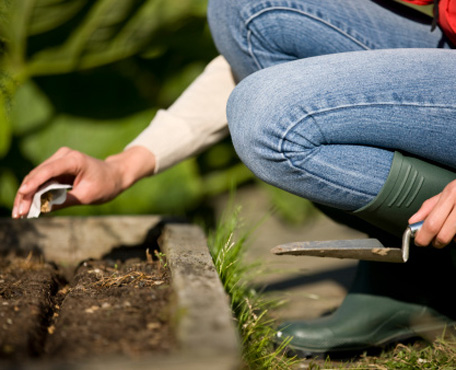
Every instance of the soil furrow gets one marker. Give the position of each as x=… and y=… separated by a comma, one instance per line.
x=113, y=309
x=107, y=308
x=27, y=291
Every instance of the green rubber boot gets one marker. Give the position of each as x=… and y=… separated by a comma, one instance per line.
x=410, y=182
x=388, y=303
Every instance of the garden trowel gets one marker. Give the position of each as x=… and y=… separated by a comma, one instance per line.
x=361, y=249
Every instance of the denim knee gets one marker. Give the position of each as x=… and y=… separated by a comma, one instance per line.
x=243, y=129
x=250, y=112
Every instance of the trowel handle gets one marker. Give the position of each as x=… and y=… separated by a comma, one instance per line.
x=415, y=227
x=409, y=233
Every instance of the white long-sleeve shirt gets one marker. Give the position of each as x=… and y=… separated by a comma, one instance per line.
x=196, y=120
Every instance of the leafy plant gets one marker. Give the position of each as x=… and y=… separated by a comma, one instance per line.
x=91, y=75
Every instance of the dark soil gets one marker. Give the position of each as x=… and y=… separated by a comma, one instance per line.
x=27, y=289
x=106, y=308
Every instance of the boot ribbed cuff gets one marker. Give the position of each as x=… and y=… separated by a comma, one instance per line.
x=410, y=182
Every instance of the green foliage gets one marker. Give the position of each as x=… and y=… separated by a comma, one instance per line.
x=5, y=129
x=8, y=188
x=31, y=109
x=5, y=106
x=102, y=31
x=91, y=75
x=250, y=308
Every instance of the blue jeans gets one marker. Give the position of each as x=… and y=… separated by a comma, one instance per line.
x=330, y=89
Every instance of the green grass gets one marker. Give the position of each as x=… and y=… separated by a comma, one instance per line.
x=250, y=308
x=252, y=312
x=420, y=355
x=440, y=355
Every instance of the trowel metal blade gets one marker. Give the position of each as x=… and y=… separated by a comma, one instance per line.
x=360, y=249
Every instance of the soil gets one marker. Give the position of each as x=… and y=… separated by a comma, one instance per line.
x=105, y=308
x=26, y=299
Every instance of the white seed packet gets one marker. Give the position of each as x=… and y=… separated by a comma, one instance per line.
x=47, y=195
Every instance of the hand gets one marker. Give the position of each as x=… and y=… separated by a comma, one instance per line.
x=439, y=215
x=94, y=181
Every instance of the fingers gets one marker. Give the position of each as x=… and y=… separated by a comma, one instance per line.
x=446, y=234
x=439, y=212
x=94, y=181
x=30, y=181
x=425, y=209
x=64, y=162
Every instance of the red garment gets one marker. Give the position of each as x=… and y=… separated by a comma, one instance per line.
x=447, y=15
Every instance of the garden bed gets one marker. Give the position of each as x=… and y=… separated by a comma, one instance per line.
x=107, y=308
x=100, y=290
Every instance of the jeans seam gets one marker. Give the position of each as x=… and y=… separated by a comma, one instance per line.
x=335, y=185
x=255, y=15
x=250, y=48
x=312, y=115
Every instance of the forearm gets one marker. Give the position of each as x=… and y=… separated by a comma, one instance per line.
x=195, y=121
x=132, y=165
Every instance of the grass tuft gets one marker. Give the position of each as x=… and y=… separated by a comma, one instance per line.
x=440, y=355
x=250, y=308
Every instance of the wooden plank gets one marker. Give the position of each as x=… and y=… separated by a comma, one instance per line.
x=206, y=323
